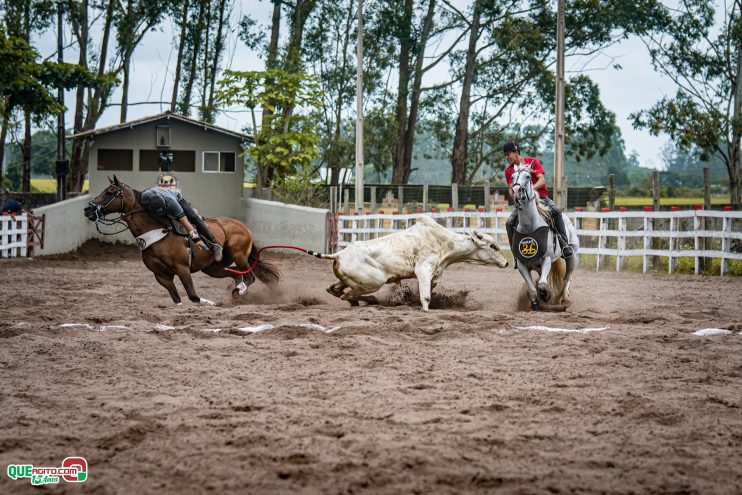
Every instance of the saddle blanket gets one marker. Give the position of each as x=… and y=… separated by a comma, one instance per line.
x=531, y=246
x=148, y=238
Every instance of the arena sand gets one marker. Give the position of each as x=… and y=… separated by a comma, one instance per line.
x=461, y=399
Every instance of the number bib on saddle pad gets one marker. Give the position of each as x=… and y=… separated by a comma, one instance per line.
x=529, y=247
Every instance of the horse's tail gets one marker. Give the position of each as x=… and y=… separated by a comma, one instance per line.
x=267, y=272
x=556, y=276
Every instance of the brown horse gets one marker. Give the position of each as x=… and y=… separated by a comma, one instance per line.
x=171, y=256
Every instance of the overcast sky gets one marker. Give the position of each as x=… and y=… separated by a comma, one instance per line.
x=636, y=86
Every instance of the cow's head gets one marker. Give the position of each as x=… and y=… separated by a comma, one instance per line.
x=486, y=251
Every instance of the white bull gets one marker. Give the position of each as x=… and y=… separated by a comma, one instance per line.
x=422, y=251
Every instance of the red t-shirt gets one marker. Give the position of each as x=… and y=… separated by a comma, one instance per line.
x=537, y=169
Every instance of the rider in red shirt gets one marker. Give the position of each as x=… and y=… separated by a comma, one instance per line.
x=512, y=154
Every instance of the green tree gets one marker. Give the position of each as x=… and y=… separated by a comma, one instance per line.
x=29, y=84
x=287, y=142
x=704, y=60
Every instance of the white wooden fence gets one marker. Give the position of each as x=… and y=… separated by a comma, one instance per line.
x=13, y=236
x=694, y=234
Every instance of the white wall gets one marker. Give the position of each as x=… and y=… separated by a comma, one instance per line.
x=272, y=222
x=66, y=227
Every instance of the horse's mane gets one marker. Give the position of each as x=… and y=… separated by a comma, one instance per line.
x=545, y=212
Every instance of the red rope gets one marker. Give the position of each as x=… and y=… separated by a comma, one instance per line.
x=257, y=258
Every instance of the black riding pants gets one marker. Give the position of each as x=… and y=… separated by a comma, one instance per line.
x=197, y=221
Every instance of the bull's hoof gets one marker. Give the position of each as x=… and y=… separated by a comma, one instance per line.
x=354, y=303
x=544, y=295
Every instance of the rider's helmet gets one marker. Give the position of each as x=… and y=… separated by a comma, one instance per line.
x=154, y=202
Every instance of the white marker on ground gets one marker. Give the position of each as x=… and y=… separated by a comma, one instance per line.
x=541, y=328
x=706, y=332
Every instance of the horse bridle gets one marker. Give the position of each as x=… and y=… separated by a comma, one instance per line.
x=100, y=216
x=516, y=175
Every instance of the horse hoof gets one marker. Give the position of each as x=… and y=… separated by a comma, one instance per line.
x=354, y=303
x=544, y=295
x=535, y=306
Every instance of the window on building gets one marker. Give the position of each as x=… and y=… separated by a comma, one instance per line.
x=163, y=136
x=109, y=159
x=179, y=161
x=219, y=161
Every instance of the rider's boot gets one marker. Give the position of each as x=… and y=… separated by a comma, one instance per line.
x=205, y=233
x=567, y=250
x=510, y=229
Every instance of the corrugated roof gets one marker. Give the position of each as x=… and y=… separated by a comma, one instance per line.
x=163, y=115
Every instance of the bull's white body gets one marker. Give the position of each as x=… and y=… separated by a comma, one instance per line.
x=422, y=251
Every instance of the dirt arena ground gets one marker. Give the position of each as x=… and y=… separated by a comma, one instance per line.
x=461, y=399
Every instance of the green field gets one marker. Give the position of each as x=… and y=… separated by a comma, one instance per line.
x=49, y=185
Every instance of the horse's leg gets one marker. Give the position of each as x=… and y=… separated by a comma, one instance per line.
x=525, y=272
x=571, y=263
x=167, y=282
x=184, y=274
x=217, y=270
x=543, y=286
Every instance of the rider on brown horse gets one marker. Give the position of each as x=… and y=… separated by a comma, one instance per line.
x=163, y=202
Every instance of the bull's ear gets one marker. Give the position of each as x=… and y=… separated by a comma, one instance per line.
x=476, y=238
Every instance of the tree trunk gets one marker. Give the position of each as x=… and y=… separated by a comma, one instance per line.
x=409, y=141
x=26, y=152
x=3, y=136
x=185, y=104
x=205, y=77
x=335, y=167
x=96, y=103
x=461, y=138
x=125, y=85
x=179, y=60
x=270, y=63
x=735, y=155
x=398, y=170
x=218, y=48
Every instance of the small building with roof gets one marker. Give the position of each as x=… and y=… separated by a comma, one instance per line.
x=169, y=150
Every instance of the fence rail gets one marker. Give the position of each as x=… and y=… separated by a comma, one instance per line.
x=13, y=236
x=697, y=234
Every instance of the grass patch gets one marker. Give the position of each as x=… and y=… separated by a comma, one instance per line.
x=50, y=185
x=684, y=266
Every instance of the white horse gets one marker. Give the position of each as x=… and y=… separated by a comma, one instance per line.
x=536, y=248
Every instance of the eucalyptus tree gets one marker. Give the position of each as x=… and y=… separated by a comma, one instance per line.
x=21, y=19
x=506, y=80
x=89, y=102
x=29, y=84
x=701, y=52
x=132, y=21
x=329, y=49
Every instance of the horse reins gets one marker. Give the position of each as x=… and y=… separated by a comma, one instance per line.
x=101, y=217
